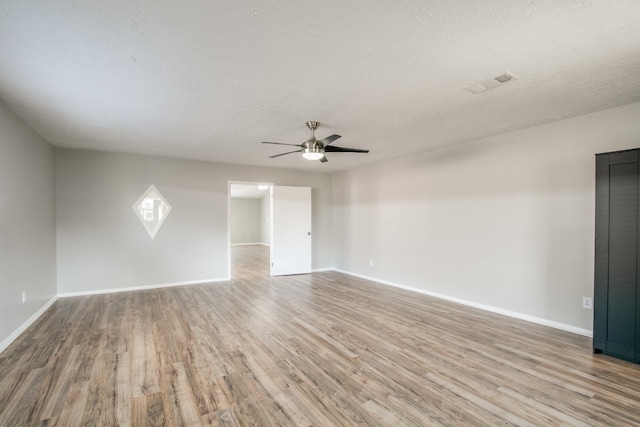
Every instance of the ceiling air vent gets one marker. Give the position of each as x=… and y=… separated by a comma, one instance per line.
x=485, y=85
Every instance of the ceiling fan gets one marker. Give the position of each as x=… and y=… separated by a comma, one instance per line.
x=315, y=149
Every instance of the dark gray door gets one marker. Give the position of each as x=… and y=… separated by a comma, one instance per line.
x=617, y=297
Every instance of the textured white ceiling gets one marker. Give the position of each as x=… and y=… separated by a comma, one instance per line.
x=211, y=79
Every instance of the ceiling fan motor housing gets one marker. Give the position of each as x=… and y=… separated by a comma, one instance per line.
x=312, y=146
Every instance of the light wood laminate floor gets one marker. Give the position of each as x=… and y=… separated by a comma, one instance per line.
x=323, y=349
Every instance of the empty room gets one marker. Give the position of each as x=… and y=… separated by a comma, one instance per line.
x=296, y=213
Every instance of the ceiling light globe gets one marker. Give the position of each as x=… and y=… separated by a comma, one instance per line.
x=313, y=155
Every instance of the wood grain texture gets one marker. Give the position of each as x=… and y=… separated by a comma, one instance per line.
x=323, y=349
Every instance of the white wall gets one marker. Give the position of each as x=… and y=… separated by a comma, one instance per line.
x=102, y=245
x=506, y=222
x=245, y=221
x=27, y=224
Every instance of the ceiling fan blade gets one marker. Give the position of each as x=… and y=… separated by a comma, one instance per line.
x=328, y=140
x=324, y=159
x=344, y=150
x=284, y=154
x=281, y=143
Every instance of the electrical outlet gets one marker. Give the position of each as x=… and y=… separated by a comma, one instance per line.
x=370, y=263
x=24, y=296
x=587, y=303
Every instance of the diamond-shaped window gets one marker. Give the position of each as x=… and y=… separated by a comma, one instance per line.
x=152, y=209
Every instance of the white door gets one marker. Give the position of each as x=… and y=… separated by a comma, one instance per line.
x=291, y=230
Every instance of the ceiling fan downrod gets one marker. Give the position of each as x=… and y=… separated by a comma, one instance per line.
x=313, y=126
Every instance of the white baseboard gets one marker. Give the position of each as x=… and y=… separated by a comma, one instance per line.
x=249, y=244
x=15, y=334
x=141, y=288
x=514, y=314
x=321, y=270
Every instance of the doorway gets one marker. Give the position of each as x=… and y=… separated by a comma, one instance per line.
x=249, y=230
x=276, y=218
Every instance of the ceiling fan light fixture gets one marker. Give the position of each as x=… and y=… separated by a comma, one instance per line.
x=312, y=150
x=313, y=153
